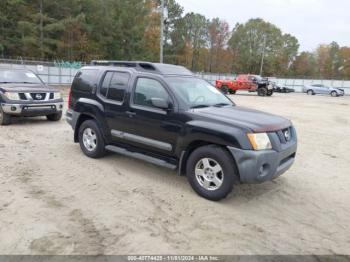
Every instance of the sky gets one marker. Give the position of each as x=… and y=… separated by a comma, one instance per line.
x=312, y=22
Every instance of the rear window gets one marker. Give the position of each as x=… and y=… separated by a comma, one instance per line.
x=114, y=85
x=85, y=80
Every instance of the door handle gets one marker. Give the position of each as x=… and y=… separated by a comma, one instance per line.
x=130, y=114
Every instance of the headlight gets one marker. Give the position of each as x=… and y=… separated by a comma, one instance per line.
x=57, y=95
x=12, y=95
x=259, y=141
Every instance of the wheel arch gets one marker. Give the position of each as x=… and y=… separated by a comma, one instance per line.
x=192, y=147
x=88, y=116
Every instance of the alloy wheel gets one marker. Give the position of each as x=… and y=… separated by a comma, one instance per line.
x=209, y=174
x=89, y=139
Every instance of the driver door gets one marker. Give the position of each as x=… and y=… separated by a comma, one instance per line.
x=154, y=128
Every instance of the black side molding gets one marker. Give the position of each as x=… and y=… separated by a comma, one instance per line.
x=153, y=160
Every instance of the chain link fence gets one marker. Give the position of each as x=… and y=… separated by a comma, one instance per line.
x=62, y=73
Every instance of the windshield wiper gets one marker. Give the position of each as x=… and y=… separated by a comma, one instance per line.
x=221, y=104
x=25, y=82
x=200, y=106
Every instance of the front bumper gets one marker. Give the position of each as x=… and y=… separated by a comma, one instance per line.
x=260, y=166
x=32, y=109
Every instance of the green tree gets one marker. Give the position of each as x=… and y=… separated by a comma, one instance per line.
x=250, y=40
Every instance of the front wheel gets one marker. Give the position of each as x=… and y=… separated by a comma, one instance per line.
x=262, y=91
x=269, y=93
x=310, y=92
x=232, y=92
x=54, y=117
x=211, y=172
x=334, y=94
x=91, y=140
x=5, y=119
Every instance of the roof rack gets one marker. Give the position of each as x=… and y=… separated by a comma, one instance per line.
x=142, y=66
x=163, y=69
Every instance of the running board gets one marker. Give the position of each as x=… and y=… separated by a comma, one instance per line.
x=153, y=160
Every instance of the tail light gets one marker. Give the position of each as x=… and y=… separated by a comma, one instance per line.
x=69, y=98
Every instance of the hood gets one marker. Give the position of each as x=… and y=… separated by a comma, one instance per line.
x=25, y=88
x=254, y=120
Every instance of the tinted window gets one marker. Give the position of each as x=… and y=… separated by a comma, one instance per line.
x=85, y=80
x=106, y=83
x=117, y=86
x=146, y=89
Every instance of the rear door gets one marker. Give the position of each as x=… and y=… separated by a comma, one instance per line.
x=113, y=93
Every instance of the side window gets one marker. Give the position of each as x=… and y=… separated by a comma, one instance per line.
x=146, y=89
x=85, y=80
x=114, y=85
x=105, y=84
x=118, y=85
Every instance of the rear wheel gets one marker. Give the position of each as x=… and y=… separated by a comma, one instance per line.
x=224, y=89
x=211, y=172
x=91, y=140
x=5, y=119
x=54, y=117
x=232, y=92
x=334, y=94
x=269, y=93
x=262, y=91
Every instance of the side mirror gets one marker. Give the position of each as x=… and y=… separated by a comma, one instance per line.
x=160, y=103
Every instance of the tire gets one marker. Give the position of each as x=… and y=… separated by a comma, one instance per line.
x=310, y=92
x=269, y=92
x=210, y=184
x=232, y=92
x=54, y=117
x=334, y=94
x=5, y=119
x=262, y=91
x=224, y=90
x=91, y=140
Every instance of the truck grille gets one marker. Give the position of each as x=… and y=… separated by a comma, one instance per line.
x=38, y=96
x=285, y=135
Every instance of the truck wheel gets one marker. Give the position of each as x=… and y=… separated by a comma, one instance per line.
x=211, y=171
x=269, y=93
x=54, y=117
x=5, y=119
x=334, y=94
x=262, y=91
x=224, y=89
x=91, y=140
x=232, y=92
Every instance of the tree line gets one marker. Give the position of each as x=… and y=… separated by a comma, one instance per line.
x=82, y=30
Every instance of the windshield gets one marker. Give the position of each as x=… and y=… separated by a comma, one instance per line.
x=18, y=76
x=197, y=92
x=258, y=78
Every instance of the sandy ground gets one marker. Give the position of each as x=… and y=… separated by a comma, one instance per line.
x=54, y=200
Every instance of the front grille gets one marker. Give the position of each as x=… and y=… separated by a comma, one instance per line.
x=285, y=135
x=22, y=96
x=38, y=96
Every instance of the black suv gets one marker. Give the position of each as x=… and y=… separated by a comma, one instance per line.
x=164, y=115
x=23, y=93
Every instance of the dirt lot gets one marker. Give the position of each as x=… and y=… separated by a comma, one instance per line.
x=54, y=200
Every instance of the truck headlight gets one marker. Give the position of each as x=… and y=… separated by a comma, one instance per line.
x=12, y=95
x=57, y=95
x=259, y=141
